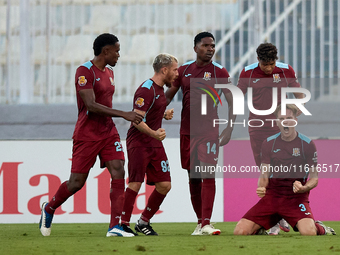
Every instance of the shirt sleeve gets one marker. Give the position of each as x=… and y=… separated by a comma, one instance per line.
x=143, y=98
x=311, y=154
x=292, y=78
x=83, y=78
x=243, y=82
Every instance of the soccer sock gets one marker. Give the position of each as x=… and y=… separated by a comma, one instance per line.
x=319, y=229
x=117, y=200
x=208, y=197
x=195, y=186
x=58, y=199
x=129, y=201
x=155, y=200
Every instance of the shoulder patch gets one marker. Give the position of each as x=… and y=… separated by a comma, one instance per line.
x=304, y=138
x=217, y=65
x=273, y=137
x=250, y=67
x=147, y=84
x=188, y=63
x=88, y=64
x=282, y=65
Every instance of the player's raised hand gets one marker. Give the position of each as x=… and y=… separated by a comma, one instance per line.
x=134, y=117
x=160, y=134
x=169, y=114
x=261, y=191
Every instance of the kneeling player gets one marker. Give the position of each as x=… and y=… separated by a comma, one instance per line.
x=285, y=194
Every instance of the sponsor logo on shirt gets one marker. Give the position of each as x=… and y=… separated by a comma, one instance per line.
x=275, y=151
x=256, y=80
x=187, y=75
x=82, y=81
x=296, y=152
x=112, y=81
x=207, y=76
x=139, y=102
x=98, y=79
x=157, y=96
x=276, y=77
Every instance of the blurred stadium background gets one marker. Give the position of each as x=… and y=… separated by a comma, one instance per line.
x=43, y=41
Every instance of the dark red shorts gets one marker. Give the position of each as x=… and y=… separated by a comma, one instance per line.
x=151, y=161
x=256, y=140
x=85, y=153
x=198, y=149
x=270, y=209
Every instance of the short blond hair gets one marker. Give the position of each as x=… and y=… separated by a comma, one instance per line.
x=291, y=107
x=163, y=60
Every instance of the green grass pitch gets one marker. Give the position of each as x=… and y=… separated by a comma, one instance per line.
x=174, y=238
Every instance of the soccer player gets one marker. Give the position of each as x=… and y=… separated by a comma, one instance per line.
x=288, y=157
x=262, y=77
x=95, y=134
x=199, y=139
x=144, y=145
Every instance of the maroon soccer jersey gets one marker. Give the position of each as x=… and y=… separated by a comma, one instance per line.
x=288, y=161
x=195, y=81
x=262, y=84
x=150, y=98
x=91, y=126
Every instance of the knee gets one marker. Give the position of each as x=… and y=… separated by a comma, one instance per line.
x=308, y=231
x=240, y=231
x=163, y=187
x=135, y=186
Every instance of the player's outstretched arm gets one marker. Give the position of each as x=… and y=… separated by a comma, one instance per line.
x=170, y=93
x=92, y=106
x=158, y=134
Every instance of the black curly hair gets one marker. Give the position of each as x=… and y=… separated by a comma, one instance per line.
x=202, y=35
x=103, y=40
x=267, y=52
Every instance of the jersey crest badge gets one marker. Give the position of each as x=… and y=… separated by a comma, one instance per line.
x=276, y=77
x=296, y=152
x=139, y=102
x=112, y=81
x=82, y=81
x=207, y=76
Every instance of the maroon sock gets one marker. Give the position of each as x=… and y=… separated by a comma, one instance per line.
x=129, y=201
x=59, y=198
x=155, y=200
x=208, y=197
x=319, y=229
x=195, y=186
x=117, y=200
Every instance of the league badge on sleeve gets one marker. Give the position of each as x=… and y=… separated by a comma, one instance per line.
x=139, y=102
x=82, y=81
